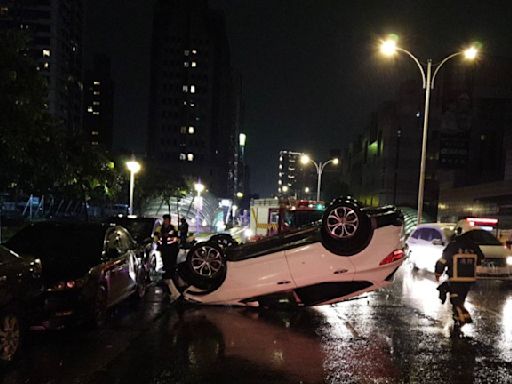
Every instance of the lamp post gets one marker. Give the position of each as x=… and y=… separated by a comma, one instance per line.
x=134, y=167
x=389, y=48
x=199, y=188
x=234, y=208
x=305, y=159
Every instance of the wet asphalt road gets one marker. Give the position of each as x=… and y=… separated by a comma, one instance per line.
x=398, y=335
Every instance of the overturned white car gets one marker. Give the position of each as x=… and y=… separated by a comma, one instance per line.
x=351, y=251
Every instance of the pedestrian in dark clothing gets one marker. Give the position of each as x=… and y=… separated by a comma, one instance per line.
x=183, y=230
x=459, y=261
x=166, y=237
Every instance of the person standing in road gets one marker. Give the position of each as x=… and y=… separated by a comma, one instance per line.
x=166, y=237
x=459, y=261
x=183, y=230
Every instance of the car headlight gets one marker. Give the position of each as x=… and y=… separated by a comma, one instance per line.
x=509, y=260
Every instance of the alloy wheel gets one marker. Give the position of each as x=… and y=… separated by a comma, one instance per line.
x=206, y=261
x=342, y=222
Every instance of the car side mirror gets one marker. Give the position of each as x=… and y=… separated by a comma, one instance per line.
x=437, y=242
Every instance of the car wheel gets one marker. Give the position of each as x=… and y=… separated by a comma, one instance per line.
x=205, y=266
x=100, y=307
x=223, y=240
x=346, y=230
x=10, y=336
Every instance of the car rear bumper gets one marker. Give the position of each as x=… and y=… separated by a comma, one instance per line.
x=62, y=309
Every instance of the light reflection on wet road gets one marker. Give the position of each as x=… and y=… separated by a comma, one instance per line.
x=398, y=335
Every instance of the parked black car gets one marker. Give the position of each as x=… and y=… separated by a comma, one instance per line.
x=86, y=268
x=20, y=300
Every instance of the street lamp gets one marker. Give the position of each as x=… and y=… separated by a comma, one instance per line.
x=134, y=167
x=305, y=159
x=389, y=48
x=199, y=188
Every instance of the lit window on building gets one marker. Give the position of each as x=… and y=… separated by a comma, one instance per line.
x=187, y=52
x=46, y=65
x=4, y=10
x=192, y=104
x=193, y=64
x=194, y=51
x=94, y=143
x=183, y=156
x=96, y=82
x=95, y=103
x=191, y=130
x=46, y=53
x=95, y=113
x=183, y=130
x=96, y=93
x=192, y=89
x=95, y=133
x=279, y=182
x=190, y=157
x=186, y=64
x=89, y=109
x=185, y=88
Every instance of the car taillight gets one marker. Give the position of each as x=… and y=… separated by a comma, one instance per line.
x=66, y=285
x=397, y=254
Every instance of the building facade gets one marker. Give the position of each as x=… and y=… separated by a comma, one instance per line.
x=54, y=29
x=99, y=103
x=192, y=128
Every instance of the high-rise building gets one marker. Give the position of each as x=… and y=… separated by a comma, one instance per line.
x=295, y=178
x=191, y=125
x=99, y=103
x=54, y=29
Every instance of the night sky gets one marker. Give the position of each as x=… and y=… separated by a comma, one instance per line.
x=311, y=75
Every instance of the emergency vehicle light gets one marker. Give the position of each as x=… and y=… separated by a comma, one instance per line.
x=476, y=221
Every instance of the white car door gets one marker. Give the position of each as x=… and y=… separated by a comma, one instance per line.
x=312, y=264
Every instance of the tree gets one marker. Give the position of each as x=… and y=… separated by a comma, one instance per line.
x=155, y=184
x=88, y=174
x=29, y=137
x=38, y=155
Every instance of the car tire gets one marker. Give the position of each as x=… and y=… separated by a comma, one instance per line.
x=11, y=335
x=223, y=240
x=346, y=229
x=205, y=266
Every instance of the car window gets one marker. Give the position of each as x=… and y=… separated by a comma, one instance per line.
x=482, y=237
x=416, y=234
x=6, y=256
x=435, y=234
x=424, y=234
